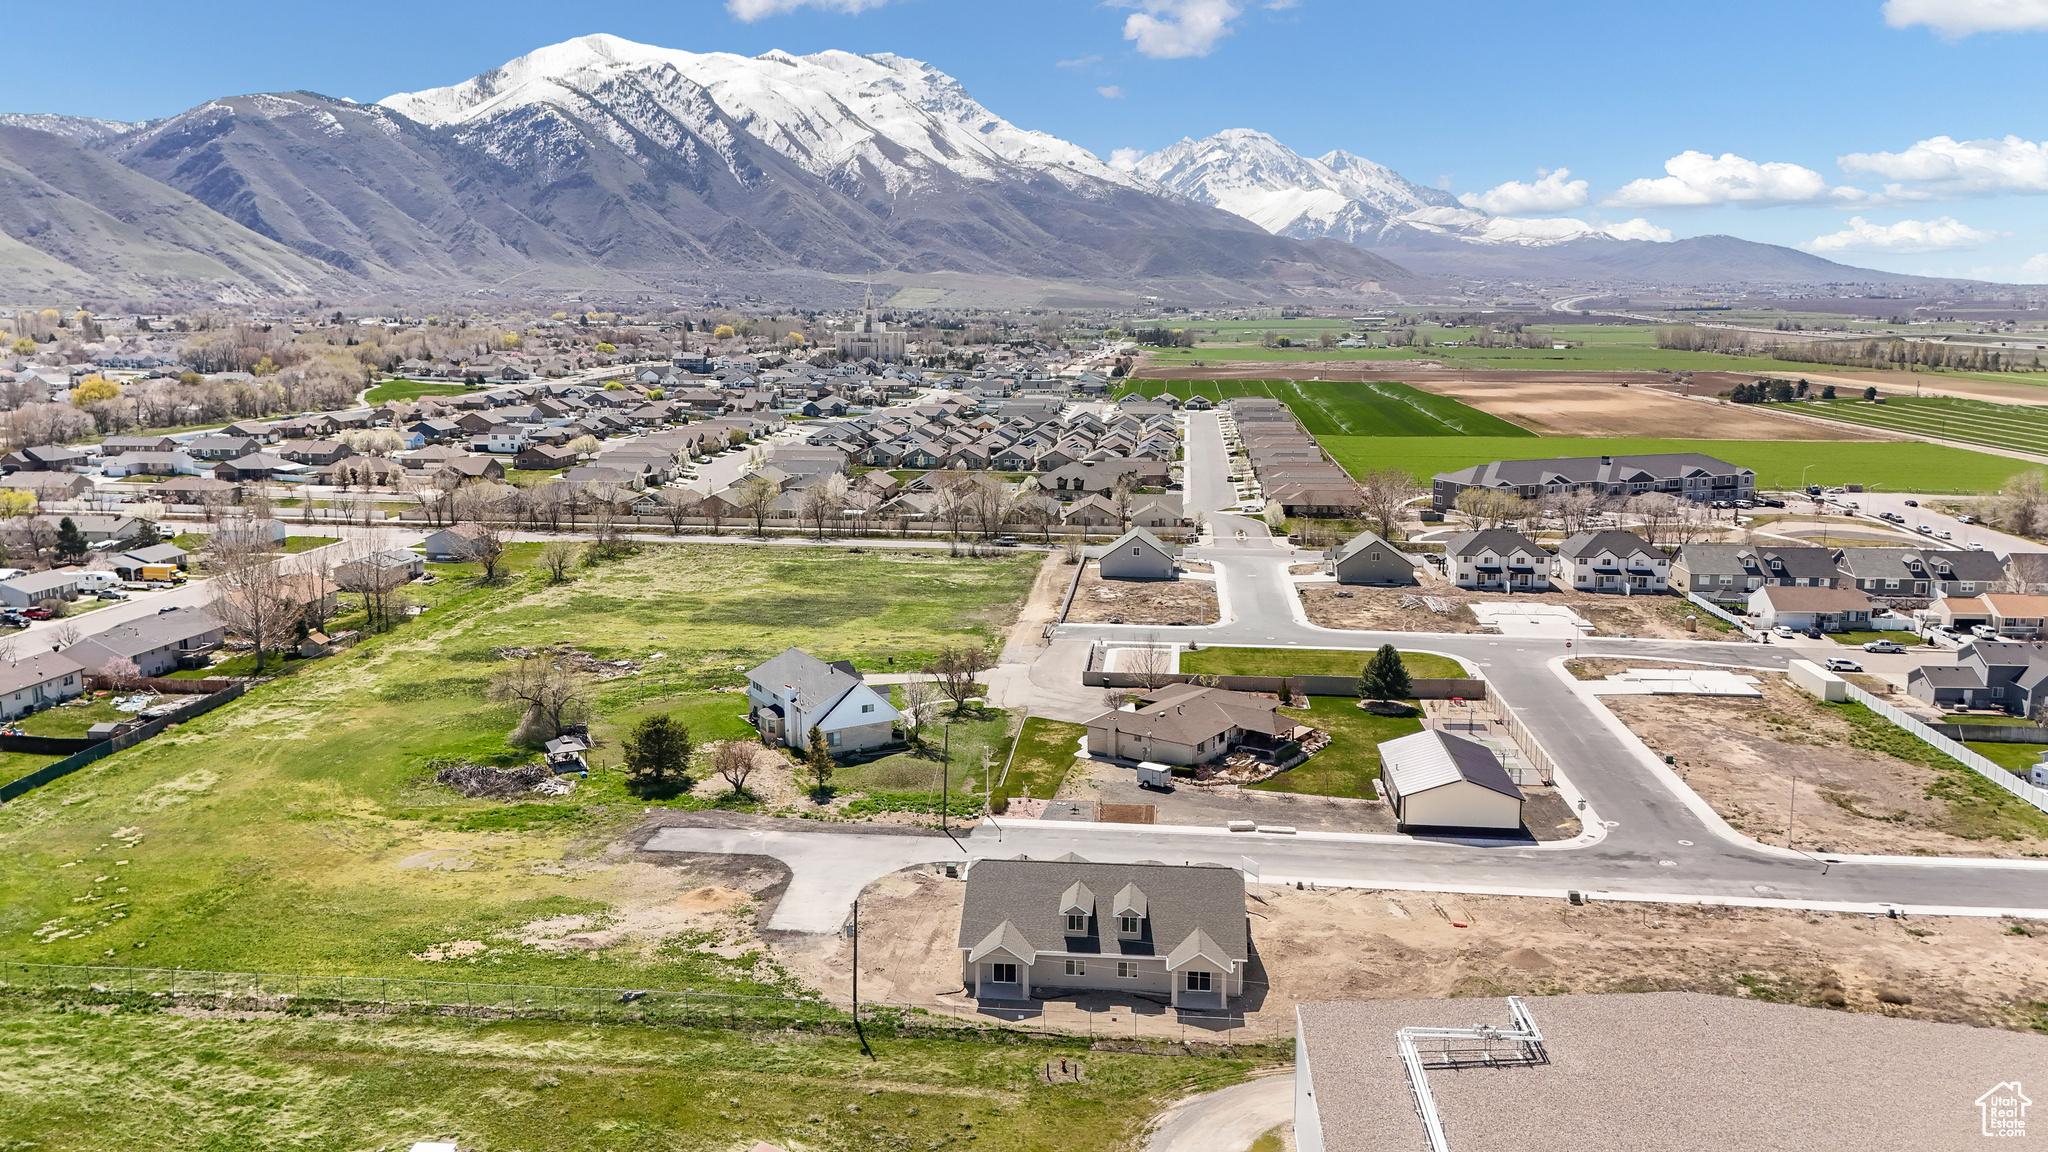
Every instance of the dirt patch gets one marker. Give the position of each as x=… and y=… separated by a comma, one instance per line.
x=1760, y=763
x=575, y=660
x=1366, y=945
x=1572, y=408
x=1410, y=610
x=452, y=950
x=477, y=781
x=1162, y=602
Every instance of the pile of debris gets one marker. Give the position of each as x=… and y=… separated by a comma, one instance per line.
x=575, y=660
x=477, y=781
x=1436, y=604
x=1247, y=767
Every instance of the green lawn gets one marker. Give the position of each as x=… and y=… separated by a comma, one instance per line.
x=230, y=1083
x=1902, y=639
x=1352, y=761
x=963, y=759
x=2011, y=757
x=274, y=833
x=1342, y=408
x=1310, y=662
x=297, y=544
x=2015, y=426
x=72, y=720
x=1994, y=721
x=1897, y=466
x=410, y=390
x=1045, y=752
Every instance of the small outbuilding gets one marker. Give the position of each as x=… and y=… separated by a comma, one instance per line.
x=1436, y=780
x=1139, y=555
x=1368, y=559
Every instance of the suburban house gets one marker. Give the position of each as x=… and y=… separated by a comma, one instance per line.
x=152, y=464
x=43, y=458
x=159, y=644
x=1988, y=674
x=96, y=529
x=2012, y=616
x=36, y=587
x=121, y=445
x=1610, y=561
x=49, y=486
x=795, y=692
x=381, y=571
x=1184, y=724
x=1686, y=475
x=129, y=564
x=1730, y=572
x=32, y=683
x=1139, y=555
x=1437, y=780
x=453, y=544
x=1029, y=927
x=1919, y=574
x=1498, y=559
x=1367, y=559
x=1802, y=608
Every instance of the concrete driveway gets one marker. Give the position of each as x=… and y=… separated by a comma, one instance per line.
x=1226, y=1120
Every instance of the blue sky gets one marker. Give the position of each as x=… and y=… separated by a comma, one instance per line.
x=1734, y=117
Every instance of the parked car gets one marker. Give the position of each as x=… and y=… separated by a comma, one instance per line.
x=1884, y=646
x=1925, y=530
x=37, y=613
x=1814, y=634
x=112, y=594
x=1772, y=503
x=1785, y=630
x=1984, y=632
x=1843, y=664
x=1912, y=503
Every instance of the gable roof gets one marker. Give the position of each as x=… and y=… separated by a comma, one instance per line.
x=1195, y=908
x=1369, y=540
x=817, y=683
x=1431, y=759
x=1614, y=540
x=1813, y=598
x=1505, y=541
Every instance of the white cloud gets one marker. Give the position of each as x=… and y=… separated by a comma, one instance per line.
x=1078, y=62
x=2035, y=270
x=748, y=11
x=1957, y=18
x=1110, y=92
x=1126, y=159
x=1949, y=167
x=1177, y=29
x=1550, y=192
x=1639, y=229
x=1946, y=234
x=1281, y=5
x=1697, y=180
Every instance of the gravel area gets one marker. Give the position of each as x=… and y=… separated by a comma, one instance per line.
x=1161, y=602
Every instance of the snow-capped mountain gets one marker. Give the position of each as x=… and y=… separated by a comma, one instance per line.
x=873, y=122
x=79, y=129
x=1344, y=196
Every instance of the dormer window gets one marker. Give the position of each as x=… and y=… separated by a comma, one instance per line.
x=1077, y=922
x=1129, y=925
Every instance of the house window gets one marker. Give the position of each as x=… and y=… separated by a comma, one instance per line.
x=1998, y=693
x=1077, y=921
x=867, y=708
x=1003, y=973
x=1077, y=967
x=1198, y=982
x=1375, y=556
x=832, y=739
x=1128, y=925
x=1127, y=969
x=1137, y=551
x=1969, y=585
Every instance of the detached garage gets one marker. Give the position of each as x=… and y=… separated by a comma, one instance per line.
x=1437, y=780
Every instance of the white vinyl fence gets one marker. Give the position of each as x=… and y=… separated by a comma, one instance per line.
x=2038, y=797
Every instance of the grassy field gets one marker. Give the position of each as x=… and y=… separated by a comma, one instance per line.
x=1895, y=466
x=2014, y=426
x=86, y=1080
x=1352, y=761
x=1902, y=639
x=1335, y=408
x=1045, y=751
x=410, y=390
x=2011, y=757
x=286, y=831
x=1309, y=662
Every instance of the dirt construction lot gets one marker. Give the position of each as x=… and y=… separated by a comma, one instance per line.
x=1352, y=944
x=1402, y=610
x=1556, y=408
x=1825, y=768
x=1183, y=601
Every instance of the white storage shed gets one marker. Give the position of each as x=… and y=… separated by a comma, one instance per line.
x=1437, y=780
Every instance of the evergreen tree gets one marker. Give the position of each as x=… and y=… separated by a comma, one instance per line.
x=1870, y=393
x=657, y=754
x=146, y=534
x=1828, y=392
x=1384, y=676
x=71, y=543
x=819, y=759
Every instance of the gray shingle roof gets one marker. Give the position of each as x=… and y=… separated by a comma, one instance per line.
x=816, y=682
x=1179, y=901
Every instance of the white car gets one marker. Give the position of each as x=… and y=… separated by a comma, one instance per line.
x=1976, y=547
x=1843, y=664
x=1944, y=534
x=1785, y=631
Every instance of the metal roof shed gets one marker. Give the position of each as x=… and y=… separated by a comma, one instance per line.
x=1437, y=780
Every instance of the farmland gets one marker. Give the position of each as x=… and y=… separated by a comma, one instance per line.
x=299, y=829
x=1334, y=408
x=1896, y=466
x=2011, y=426
x=410, y=390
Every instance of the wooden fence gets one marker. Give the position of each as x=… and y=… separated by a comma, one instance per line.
x=124, y=741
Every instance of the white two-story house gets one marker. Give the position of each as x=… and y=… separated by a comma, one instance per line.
x=1497, y=559
x=1611, y=561
x=796, y=691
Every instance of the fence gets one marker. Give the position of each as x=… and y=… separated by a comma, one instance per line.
x=124, y=741
x=280, y=991
x=1993, y=733
x=161, y=685
x=1717, y=610
x=1419, y=689
x=2038, y=797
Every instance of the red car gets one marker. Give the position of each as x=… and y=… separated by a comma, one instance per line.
x=36, y=613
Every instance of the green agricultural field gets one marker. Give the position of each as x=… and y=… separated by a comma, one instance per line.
x=1352, y=761
x=410, y=390
x=87, y=1079
x=1341, y=408
x=2018, y=427
x=1895, y=466
x=1310, y=662
x=292, y=831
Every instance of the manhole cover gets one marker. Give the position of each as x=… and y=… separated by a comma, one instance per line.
x=1686, y=843
x=1766, y=889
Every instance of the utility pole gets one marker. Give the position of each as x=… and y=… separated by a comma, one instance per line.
x=945, y=774
x=854, y=931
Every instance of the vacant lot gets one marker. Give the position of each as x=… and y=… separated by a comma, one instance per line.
x=410, y=390
x=1403, y=610
x=1564, y=408
x=230, y=1082
x=1354, y=944
x=1309, y=662
x=298, y=829
x=1893, y=465
x=1163, y=602
x=1846, y=780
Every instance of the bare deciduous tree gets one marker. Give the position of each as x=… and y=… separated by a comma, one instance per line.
x=483, y=545
x=1382, y=494
x=1574, y=508
x=756, y=496
x=1151, y=664
x=557, y=558
x=734, y=760
x=956, y=669
x=1491, y=508
x=253, y=595
x=920, y=696
x=555, y=697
